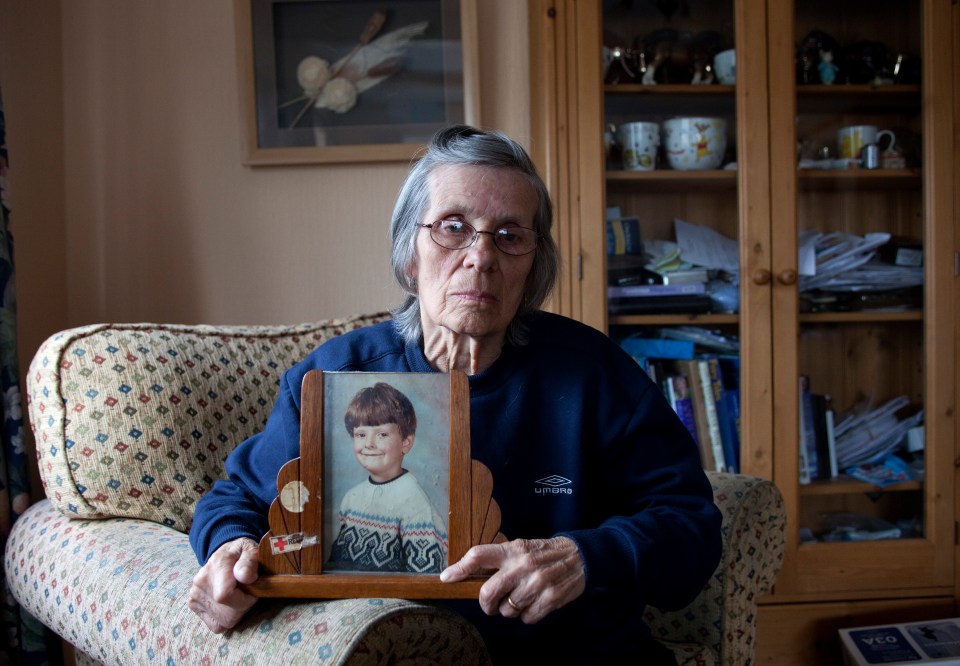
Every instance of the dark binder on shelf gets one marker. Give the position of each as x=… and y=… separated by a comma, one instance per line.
x=819, y=411
x=689, y=304
x=630, y=269
x=730, y=377
x=809, y=465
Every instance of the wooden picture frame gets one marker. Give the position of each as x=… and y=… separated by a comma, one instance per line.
x=300, y=516
x=431, y=77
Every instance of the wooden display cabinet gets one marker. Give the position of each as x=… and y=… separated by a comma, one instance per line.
x=764, y=204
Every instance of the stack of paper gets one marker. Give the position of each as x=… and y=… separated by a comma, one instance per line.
x=865, y=435
x=844, y=262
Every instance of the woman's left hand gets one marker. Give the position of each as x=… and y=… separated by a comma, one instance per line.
x=533, y=578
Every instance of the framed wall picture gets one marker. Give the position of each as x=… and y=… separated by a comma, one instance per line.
x=353, y=80
x=384, y=495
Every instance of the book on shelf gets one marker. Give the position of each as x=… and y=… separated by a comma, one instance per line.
x=644, y=290
x=684, y=275
x=702, y=388
x=832, y=443
x=623, y=236
x=625, y=276
x=818, y=443
x=678, y=394
x=730, y=377
x=705, y=413
x=825, y=470
x=629, y=269
x=711, y=397
x=803, y=466
x=657, y=369
x=809, y=469
x=726, y=420
x=697, y=402
x=640, y=347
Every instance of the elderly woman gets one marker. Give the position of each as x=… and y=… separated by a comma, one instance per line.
x=554, y=405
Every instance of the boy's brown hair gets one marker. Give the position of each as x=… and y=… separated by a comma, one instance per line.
x=378, y=405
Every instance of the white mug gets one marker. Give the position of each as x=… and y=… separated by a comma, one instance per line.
x=639, y=143
x=851, y=140
x=725, y=67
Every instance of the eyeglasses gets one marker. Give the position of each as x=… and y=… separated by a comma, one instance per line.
x=457, y=235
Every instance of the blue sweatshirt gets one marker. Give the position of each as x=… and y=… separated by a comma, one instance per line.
x=579, y=441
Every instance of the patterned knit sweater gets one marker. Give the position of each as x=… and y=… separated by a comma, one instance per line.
x=389, y=526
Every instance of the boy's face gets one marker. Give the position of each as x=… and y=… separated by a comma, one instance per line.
x=380, y=450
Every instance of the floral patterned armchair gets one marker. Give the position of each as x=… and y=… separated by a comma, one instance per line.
x=133, y=423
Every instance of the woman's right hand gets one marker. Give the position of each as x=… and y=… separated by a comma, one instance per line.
x=214, y=593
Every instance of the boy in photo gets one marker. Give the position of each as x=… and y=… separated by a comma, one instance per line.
x=386, y=523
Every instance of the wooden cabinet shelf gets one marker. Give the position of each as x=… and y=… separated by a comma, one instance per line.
x=862, y=317
x=764, y=206
x=668, y=89
x=731, y=319
x=858, y=90
x=859, y=179
x=804, y=91
x=710, y=177
x=675, y=320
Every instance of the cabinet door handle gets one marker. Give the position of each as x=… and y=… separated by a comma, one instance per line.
x=761, y=276
x=788, y=276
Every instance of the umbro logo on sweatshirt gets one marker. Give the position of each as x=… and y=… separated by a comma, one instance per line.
x=553, y=485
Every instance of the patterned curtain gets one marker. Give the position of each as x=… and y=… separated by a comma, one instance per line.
x=24, y=639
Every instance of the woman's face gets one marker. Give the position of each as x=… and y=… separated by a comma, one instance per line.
x=475, y=291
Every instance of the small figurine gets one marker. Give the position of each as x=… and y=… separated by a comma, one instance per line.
x=702, y=71
x=826, y=68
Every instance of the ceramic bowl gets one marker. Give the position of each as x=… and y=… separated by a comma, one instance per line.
x=694, y=143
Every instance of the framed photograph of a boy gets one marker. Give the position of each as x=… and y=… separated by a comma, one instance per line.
x=384, y=494
x=353, y=80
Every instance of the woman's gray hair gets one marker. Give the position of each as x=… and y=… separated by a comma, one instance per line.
x=461, y=145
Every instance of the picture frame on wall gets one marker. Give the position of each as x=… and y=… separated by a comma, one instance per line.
x=340, y=81
x=378, y=451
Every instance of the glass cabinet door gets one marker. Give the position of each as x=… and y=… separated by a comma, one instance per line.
x=862, y=269
x=685, y=118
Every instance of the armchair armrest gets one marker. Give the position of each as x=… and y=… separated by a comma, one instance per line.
x=723, y=617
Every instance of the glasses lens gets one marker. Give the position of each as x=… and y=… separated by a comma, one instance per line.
x=515, y=240
x=452, y=234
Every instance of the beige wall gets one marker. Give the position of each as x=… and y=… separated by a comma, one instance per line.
x=130, y=202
